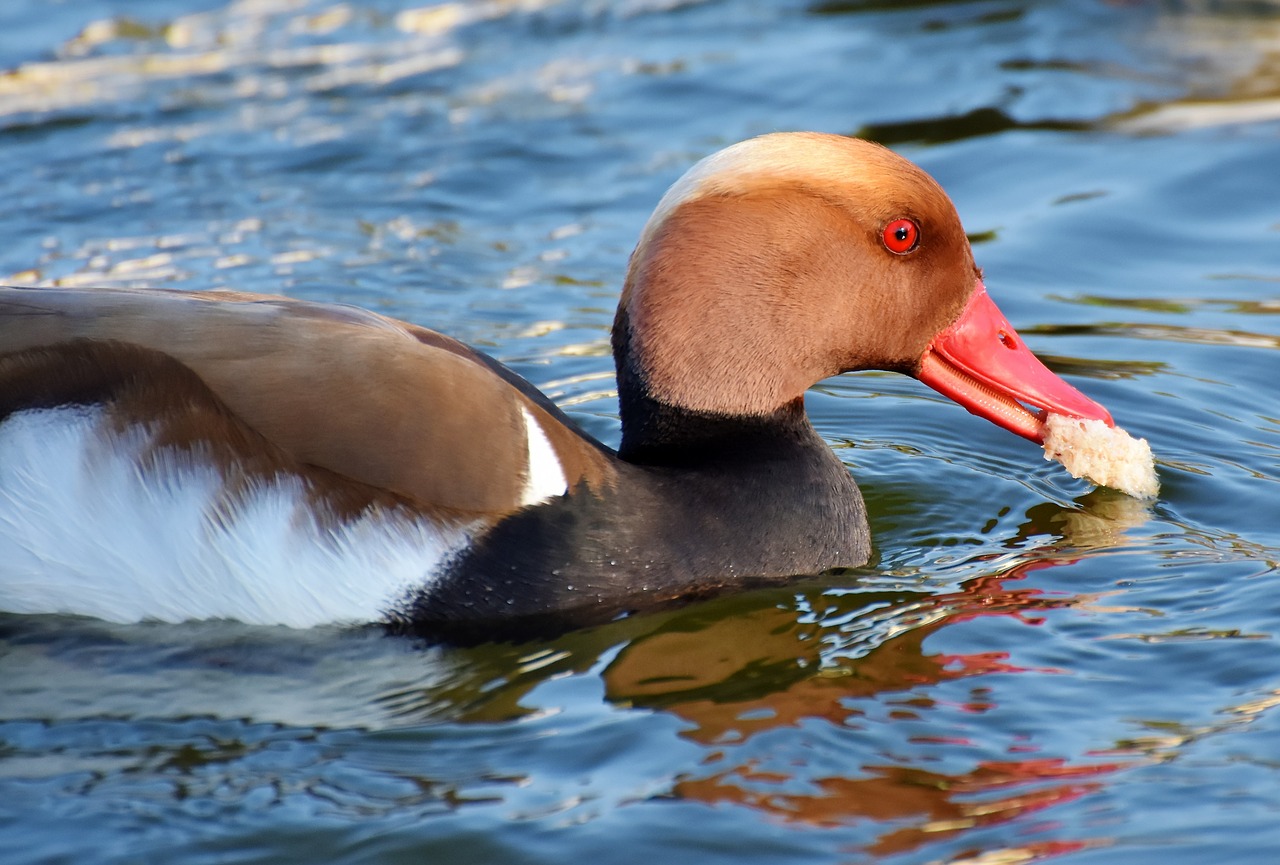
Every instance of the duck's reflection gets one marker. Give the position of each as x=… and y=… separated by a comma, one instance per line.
x=736, y=678
x=926, y=806
x=770, y=668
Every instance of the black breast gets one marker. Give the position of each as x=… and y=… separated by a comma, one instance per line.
x=723, y=504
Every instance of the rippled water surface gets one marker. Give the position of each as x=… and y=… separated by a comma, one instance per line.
x=1035, y=669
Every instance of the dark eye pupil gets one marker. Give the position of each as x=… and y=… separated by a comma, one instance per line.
x=901, y=236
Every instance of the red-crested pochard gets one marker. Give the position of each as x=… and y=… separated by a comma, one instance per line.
x=168, y=455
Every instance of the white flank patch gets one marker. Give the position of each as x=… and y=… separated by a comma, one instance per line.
x=545, y=476
x=1108, y=456
x=84, y=531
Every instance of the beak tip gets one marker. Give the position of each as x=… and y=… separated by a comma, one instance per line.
x=971, y=363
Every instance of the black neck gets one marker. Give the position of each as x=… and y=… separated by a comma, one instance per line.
x=655, y=433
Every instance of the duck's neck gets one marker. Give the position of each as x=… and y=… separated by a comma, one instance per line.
x=657, y=433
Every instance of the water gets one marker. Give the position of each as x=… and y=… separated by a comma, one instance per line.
x=1034, y=669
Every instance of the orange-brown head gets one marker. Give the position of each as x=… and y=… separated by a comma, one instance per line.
x=792, y=257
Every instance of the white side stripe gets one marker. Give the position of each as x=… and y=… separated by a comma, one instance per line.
x=544, y=478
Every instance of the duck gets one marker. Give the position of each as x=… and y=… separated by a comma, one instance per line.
x=180, y=455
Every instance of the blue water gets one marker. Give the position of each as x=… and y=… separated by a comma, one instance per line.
x=1034, y=670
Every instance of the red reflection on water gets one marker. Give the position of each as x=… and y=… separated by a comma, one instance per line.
x=736, y=678
x=937, y=805
x=741, y=675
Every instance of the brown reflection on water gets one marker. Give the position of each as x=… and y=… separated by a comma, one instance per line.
x=933, y=805
x=724, y=680
x=723, y=677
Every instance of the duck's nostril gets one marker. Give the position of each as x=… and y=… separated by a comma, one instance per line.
x=1007, y=339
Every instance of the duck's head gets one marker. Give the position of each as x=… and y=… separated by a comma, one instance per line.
x=792, y=257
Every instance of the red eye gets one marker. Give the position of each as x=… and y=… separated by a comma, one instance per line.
x=901, y=236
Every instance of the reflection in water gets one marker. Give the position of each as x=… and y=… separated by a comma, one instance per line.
x=1229, y=56
x=1099, y=523
x=1163, y=333
x=1099, y=367
x=974, y=124
x=729, y=678
x=1183, y=305
x=737, y=678
x=1164, y=740
x=934, y=805
x=1225, y=55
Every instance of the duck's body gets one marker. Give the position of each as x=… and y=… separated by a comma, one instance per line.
x=189, y=479
x=171, y=455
